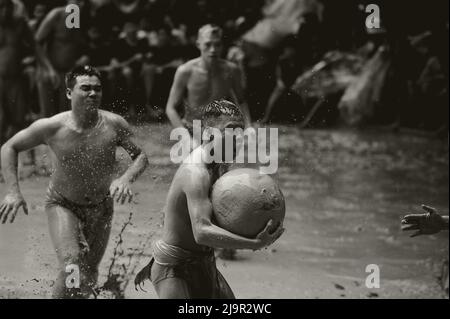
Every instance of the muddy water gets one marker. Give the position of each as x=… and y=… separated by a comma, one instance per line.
x=345, y=194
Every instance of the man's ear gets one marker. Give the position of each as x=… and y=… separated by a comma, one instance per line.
x=69, y=93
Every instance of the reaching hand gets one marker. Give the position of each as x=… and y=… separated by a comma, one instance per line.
x=121, y=190
x=11, y=205
x=268, y=236
x=424, y=224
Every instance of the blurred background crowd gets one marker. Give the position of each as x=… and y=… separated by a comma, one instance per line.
x=308, y=62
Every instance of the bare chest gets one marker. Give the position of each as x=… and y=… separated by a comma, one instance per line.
x=204, y=87
x=91, y=150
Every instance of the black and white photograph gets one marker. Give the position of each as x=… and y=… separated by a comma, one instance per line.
x=255, y=150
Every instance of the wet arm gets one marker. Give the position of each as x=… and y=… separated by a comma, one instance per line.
x=140, y=159
x=176, y=96
x=26, y=139
x=41, y=38
x=205, y=232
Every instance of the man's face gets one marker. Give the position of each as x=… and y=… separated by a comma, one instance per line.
x=6, y=10
x=210, y=46
x=86, y=92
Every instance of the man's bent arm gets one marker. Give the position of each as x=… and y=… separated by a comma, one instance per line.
x=42, y=37
x=205, y=232
x=26, y=139
x=140, y=159
x=176, y=96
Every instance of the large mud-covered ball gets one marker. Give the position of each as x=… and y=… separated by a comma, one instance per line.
x=244, y=200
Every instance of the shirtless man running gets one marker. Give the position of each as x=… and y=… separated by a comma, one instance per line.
x=183, y=264
x=80, y=196
x=205, y=79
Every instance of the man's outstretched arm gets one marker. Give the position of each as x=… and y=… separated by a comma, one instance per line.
x=120, y=188
x=26, y=139
x=208, y=234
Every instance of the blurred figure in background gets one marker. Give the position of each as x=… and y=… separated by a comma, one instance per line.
x=62, y=47
x=16, y=41
x=129, y=67
x=289, y=67
x=166, y=56
x=40, y=10
x=205, y=79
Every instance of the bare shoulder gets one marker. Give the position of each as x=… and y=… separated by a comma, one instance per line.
x=194, y=179
x=48, y=127
x=56, y=121
x=187, y=67
x=115, y=120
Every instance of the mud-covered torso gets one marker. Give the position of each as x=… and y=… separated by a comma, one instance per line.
x=84, y=162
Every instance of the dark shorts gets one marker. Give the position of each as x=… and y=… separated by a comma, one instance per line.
x=87, y=215
x=199, y=272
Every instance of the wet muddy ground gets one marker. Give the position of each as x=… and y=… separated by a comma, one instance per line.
x=345, y=194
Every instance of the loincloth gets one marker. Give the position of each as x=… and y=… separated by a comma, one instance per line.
x=197, y=269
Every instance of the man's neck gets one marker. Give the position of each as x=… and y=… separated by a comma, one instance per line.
x=85, y=120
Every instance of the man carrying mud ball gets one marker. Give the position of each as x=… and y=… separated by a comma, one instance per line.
x=79, y=202
x=183, y=264
x=203, y=80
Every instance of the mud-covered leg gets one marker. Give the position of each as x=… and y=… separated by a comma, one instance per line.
x=65, y=233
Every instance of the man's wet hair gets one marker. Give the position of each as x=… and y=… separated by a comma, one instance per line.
x=71, y=77
x=218, y=108
x=211, y=28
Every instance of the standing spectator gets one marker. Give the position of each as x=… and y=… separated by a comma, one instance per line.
x=63, y=47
